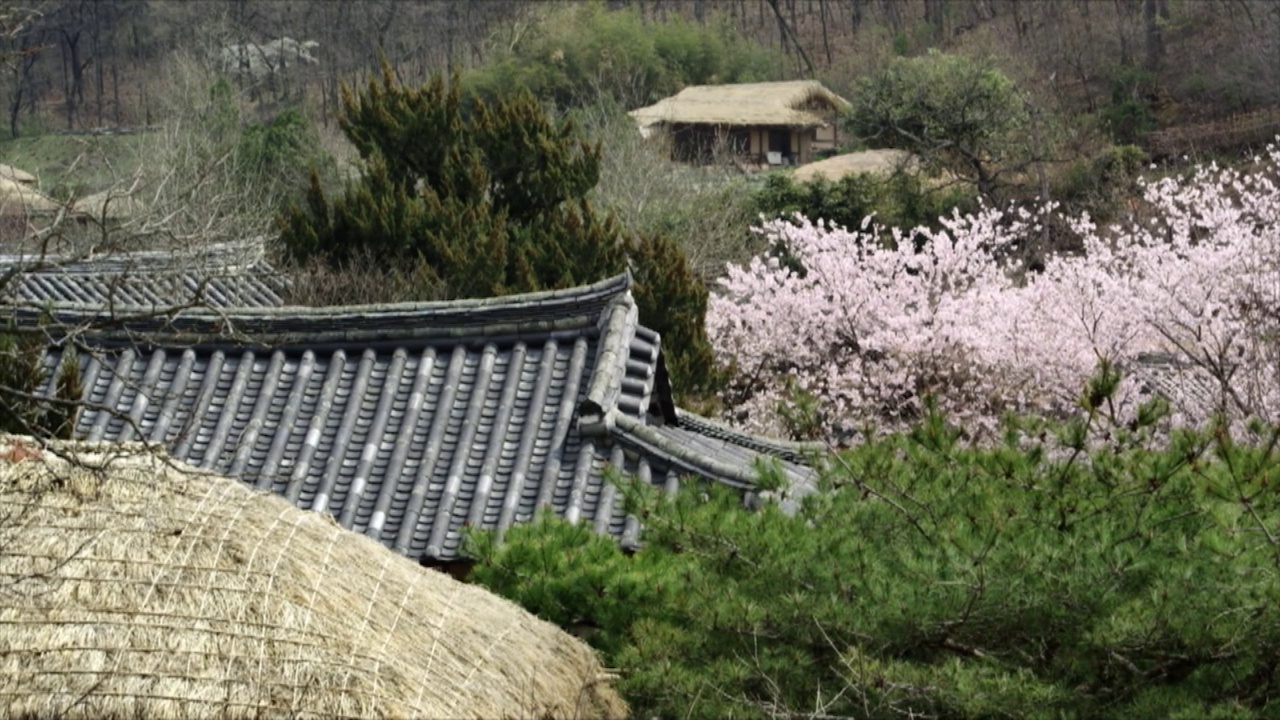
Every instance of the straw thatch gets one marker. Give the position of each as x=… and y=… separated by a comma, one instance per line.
x=17, y=198
x=10, y=172
x=873, y=162
x=797, y=103
x=134, y=587
x=109, y=205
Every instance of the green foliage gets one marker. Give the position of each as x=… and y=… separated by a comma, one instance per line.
x=569, y=575
x=664, y=280
x=932, y=578
x=903, y=199
x=22, y=376
x=802, y=413
x=219, y=117
x=1130, y=116
x=574, y=53
x=284, y=149
x=901, y=44
x=491, y=205
x=488, y=201
x=1097, y=183
x=956, y=113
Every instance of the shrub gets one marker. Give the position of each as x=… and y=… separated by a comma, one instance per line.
x=1130, y=115
x=902, y=199
x=283, y=149
x=1096, y=184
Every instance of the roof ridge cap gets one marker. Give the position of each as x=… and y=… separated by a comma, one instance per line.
x=799, y=446
x=616, y=285
x=617, y=328
x=566, y=310
x=712, y=467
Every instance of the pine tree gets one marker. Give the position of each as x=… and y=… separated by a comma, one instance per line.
x=490, y=200
x=930, y=577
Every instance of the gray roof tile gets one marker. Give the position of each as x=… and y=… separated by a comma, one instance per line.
x=410, y=422
x=220, y=275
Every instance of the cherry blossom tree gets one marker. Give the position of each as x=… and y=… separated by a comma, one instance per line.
x=837, y=329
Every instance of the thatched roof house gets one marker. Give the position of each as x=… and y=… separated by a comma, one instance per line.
x=411, y=422
x=24, y=208
x=134, y=586
x=778, y=123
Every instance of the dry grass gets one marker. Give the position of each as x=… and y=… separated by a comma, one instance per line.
x=132, y=587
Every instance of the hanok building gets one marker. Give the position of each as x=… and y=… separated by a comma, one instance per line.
x=411, y=422
x=762, y=124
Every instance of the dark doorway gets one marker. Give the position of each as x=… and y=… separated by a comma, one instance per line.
x=780, y=141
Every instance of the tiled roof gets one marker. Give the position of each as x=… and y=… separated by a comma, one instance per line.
x=1188, y=387
x=220, y=275
x=411, y=422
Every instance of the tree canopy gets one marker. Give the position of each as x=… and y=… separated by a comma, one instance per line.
x=489, y=198
x=575, y=53
x=958, y=114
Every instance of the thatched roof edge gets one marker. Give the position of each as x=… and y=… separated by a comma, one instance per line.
x=745, y=104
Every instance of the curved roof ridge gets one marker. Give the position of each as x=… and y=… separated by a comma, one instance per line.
x=230, y=256
x=711, y=458
x=799, y=452
x=539, y=313
x=649, y=439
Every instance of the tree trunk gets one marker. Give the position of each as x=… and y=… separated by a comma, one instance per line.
x=1154, y=43
x=826, y=37
x=786, y=30
x=115, y=90
x=15, y=106
x=67, y=91
x=892, y=16
x=22, y=87
x=1122, y=15
x=935, y=14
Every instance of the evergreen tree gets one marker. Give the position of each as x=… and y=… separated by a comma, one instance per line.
x=1041, y=578
x=488, y=200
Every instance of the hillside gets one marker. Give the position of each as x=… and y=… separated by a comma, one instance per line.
x=76, y=65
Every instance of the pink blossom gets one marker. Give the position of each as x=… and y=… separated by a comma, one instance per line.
x=871, y=326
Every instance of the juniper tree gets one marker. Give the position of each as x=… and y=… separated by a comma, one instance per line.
x=489, y=198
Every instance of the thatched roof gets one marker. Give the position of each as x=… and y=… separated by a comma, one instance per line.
x=17, y=198
x=137, y=587
x=874, y=162
x=797, y=103
x=109, y=205
x=10, y=172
